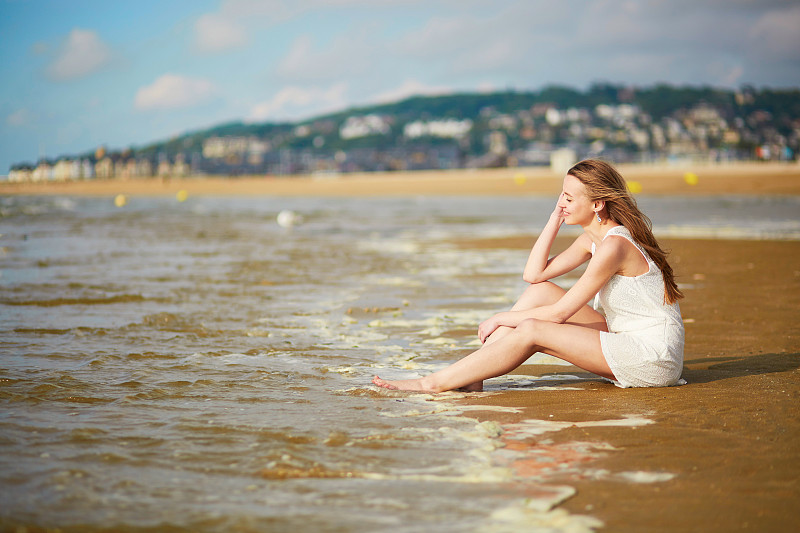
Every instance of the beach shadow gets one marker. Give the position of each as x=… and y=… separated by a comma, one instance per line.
x=736, y=367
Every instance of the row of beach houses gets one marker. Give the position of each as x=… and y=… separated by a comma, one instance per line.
x=525, y=137
x=104, y=168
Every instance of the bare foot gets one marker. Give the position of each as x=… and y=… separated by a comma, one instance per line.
x=403, y=384
x=421, y=385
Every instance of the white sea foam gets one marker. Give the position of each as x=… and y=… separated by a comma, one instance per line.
x=392, y=246
x=433, y=325
x=532, y=383
x=646, y=477
x=539, y=510
x=397, y=281
x=637, y=476
x=257, y=332
x=527, y=515
x=441, y=341
x=777, y=230
x=532, y=427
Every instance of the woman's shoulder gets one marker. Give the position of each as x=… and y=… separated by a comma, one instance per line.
x=621, y=245
x=618, y=231
x=624, y=238
x=609, y=246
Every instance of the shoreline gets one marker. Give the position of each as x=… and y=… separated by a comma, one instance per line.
x=727, y=437
x=732, y=178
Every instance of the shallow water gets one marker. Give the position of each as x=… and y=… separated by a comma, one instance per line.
x=196, y=366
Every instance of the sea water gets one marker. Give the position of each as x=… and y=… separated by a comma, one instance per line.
x=196, y=366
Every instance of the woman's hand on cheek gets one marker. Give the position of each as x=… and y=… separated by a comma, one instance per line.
x=558, y=211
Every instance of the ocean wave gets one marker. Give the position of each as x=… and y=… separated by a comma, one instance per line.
x=86, y=300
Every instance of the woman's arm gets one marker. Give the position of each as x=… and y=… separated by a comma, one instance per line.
x=607, y=261
x=540, y=267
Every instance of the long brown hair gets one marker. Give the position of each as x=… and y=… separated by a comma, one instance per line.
x=603, y=182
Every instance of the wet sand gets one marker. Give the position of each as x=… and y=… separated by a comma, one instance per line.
x=730, y=436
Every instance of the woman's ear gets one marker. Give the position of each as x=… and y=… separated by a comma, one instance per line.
x=599, y=205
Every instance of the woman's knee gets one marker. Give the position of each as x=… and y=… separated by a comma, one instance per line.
x=529, y=328
x=539, y=294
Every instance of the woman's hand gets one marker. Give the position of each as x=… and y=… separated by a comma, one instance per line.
x=558, y=212
x=487, y=327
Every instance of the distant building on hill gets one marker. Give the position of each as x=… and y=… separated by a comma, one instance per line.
x=510, y=128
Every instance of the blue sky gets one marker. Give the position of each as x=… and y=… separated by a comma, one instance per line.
x=80, y=74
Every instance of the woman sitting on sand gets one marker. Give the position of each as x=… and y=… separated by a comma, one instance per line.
x=639, y=341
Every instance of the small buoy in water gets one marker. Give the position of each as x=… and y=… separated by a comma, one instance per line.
x=690, y=178
x=288, y=218
x=635, y=187
x=120, y=200
x=182, y=195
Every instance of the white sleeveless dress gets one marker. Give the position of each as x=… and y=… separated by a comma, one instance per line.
x=644, y=344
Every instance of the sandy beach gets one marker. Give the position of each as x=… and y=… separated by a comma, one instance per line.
x=726, y=443
x=741, y=178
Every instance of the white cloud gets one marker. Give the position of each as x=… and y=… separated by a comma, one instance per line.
x=410, y=88
x=299, y=55
x=229, y=27
x=18, y=118
x=445, y=35
x=277, y=11
x=274, y=9
x=536, y=42
x=724, y=73
x=350, y=53
x=82, y=53
x=297, y=102
x=172, y=91
x=469, y=44
x=496, y=54
x=777, y=33
x=215, y=32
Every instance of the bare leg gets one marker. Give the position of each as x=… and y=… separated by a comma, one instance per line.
x=537, y=295
x=576, y=344
x=548, y=293
x=534, y=295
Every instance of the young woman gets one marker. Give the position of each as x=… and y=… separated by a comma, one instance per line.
x=638, y=339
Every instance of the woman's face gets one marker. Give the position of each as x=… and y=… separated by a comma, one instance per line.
x=574, y=202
